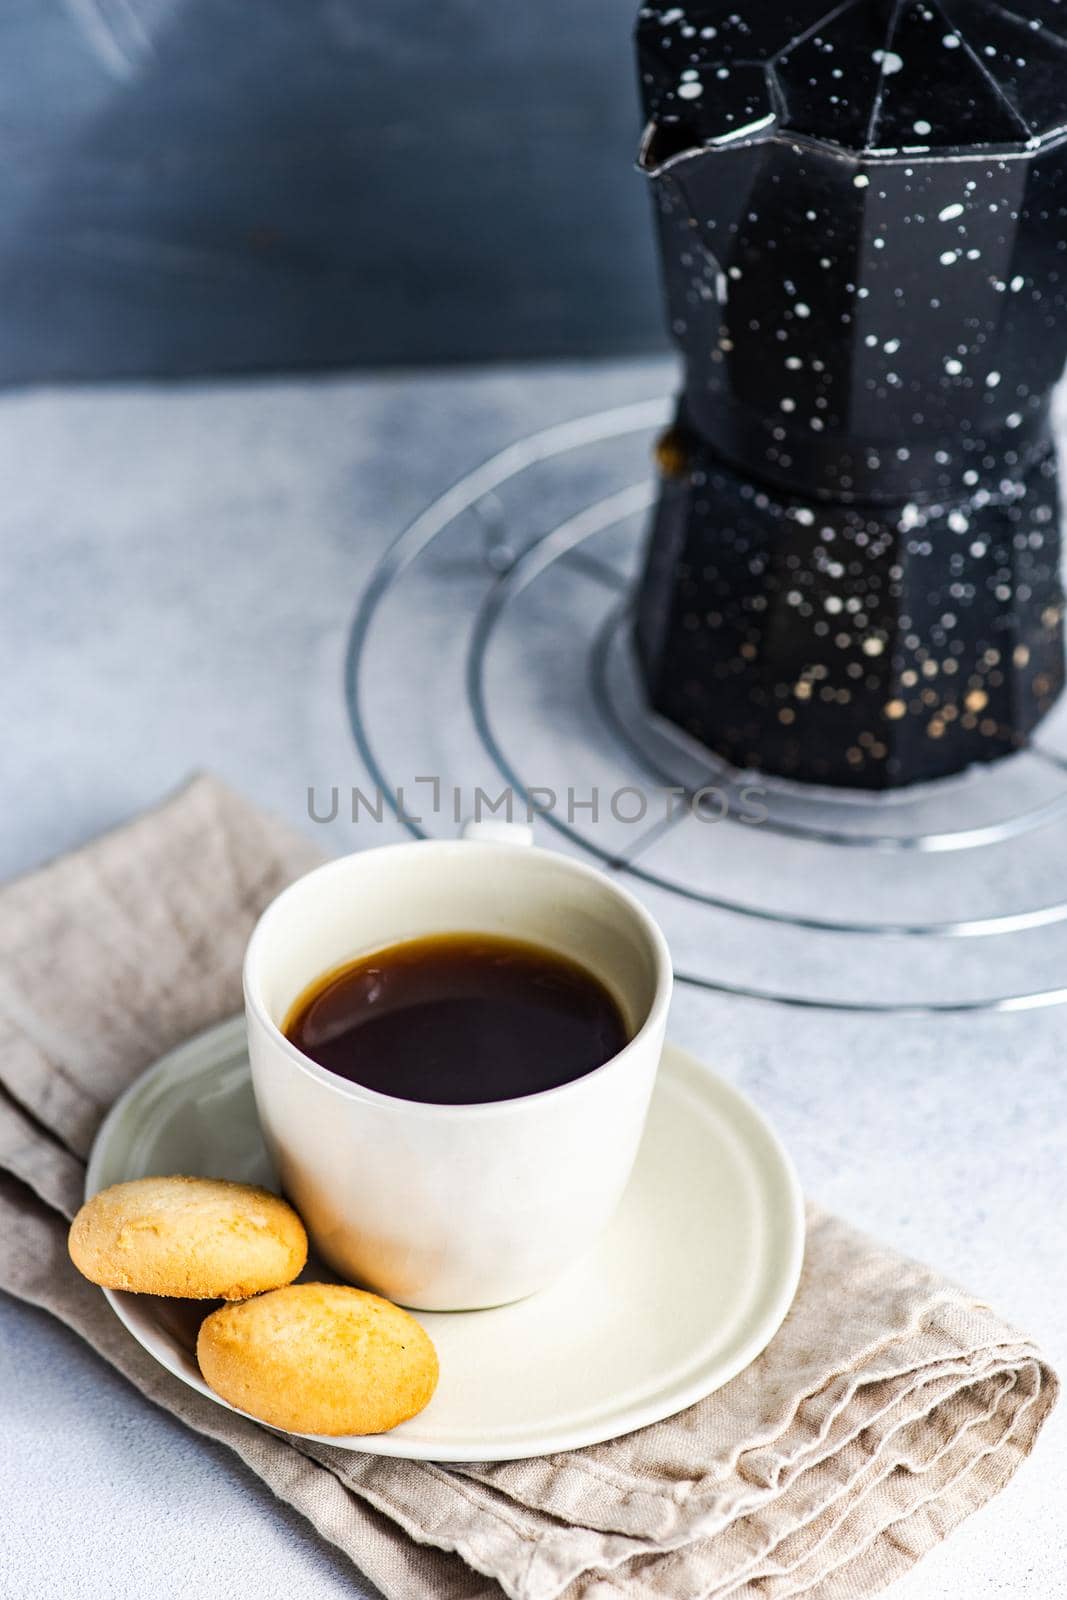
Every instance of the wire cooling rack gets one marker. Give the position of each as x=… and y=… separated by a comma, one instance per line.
x=493, y=646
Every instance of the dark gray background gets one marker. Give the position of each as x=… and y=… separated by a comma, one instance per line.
x=226, y=185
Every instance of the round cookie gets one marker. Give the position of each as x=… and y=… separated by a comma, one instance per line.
x=319, y=1358
x=199, y=1238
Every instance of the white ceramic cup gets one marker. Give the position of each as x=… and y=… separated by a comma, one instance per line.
x=453, y=1207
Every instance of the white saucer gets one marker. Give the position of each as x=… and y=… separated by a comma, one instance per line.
x=688, y=1285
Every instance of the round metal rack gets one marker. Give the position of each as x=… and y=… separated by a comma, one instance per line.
x=493, y=646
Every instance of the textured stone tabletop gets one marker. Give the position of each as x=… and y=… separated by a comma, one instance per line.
x=181, y=567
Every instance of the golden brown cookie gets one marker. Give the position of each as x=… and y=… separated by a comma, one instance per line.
x=201, y=1238
x=319, y=1358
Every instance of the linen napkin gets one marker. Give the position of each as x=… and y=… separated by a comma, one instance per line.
x=889, y=1405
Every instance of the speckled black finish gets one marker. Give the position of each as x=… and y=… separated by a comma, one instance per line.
x=854, y=572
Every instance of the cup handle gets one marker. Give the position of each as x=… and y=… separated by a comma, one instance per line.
x=497, y=832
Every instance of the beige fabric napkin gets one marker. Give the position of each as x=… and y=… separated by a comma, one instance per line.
x=889, y=1406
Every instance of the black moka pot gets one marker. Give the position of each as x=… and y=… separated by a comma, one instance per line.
x=853, y=574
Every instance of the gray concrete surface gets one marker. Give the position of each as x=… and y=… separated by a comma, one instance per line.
x=180, y=568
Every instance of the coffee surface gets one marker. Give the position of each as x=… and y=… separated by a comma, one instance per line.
x=458, y=1019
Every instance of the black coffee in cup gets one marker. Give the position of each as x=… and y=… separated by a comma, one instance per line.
x=459, y=1019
